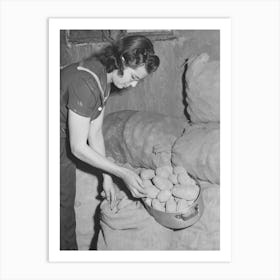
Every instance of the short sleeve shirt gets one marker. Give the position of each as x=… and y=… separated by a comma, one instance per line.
x=80, y=92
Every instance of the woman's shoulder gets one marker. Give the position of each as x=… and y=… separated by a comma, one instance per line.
x=95, y=66
x=92, y=64
x=71, y=75
x=94, y=69
x=79, y=75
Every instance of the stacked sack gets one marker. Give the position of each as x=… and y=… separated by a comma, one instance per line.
x=198, y=149
x=142, y=139
x=203, y=89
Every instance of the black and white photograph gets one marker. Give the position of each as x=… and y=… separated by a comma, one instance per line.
x=139, y=140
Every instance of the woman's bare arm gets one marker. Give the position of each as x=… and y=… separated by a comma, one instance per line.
x=96, y=142
x=80, y=128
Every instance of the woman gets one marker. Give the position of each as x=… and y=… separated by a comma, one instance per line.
x=84, y=88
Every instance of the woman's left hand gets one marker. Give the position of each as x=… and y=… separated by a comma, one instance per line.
x=109, y=190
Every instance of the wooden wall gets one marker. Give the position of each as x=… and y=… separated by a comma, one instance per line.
x=163, y=90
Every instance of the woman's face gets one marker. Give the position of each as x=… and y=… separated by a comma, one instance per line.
x=130, y=76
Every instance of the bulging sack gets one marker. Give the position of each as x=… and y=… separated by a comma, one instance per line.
x=128, y=226
x=113, y=131
x=143, y=139
x=203, y=89
x=131, y=228
x=205, y=234
x=198, y=151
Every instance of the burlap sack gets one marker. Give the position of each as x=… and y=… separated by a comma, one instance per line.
x=131, y=228
x=203, y=89
x=198, y=151
x=143, y=139
x=205, y=234
x=113, y=131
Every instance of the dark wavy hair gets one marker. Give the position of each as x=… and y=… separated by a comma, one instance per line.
x=130, y=51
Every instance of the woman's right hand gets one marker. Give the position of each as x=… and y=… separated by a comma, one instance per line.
x=133, y=182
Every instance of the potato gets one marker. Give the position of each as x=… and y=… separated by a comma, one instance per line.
x=182, y=205
x=152, y=191
x=179, y=170
x=187, y=192
x=164, y=171
x=148, y=201
x=171, y=205
x=185, y=179
x=173, y=179
x=147, y=174
x=147, y=183
x=163, y=195
x=162, y=183
x=158, y=205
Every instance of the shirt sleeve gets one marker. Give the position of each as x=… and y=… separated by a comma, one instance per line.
x=83, y=97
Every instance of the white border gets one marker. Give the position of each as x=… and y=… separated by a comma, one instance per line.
x=224, y=254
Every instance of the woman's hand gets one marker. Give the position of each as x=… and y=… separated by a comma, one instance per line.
x=109, y=190
x=133, y=182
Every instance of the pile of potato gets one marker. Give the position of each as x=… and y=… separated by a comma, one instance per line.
x=169, y=189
